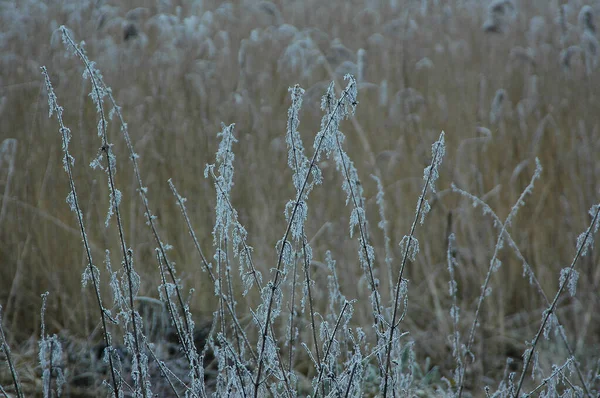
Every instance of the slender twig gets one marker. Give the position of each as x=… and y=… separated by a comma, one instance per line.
x=275, y=282
x=6, y=349
x=530, y=273
x=494, y=264
x=107, y=150
x=150, y=221
x=311, y=306
x=398, y=288
x=330, y=343
x=165, y=371
x=93, y=272
x=583, y=245
x=207, y=267
x=549, y=378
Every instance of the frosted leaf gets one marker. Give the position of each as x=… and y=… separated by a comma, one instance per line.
x=585, y=241
x=426, y=209
x=287, y=253
x=496, y=265
x=115, y=201
x=431, y=175
x=96, y=163
x=297, y=227
x=297, y=160
x=527, y=354
x=488, y=292
x=592, y=212
x=88, y=276
x=356, y=216
x=71, y=201
x=352, y=93
x=551, y=324
x=410, y=247
x=369, y=259
x=438, y=150
x=573, y=276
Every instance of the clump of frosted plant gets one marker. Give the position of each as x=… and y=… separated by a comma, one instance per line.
x=499, y=15
x=91, y=272
x=495, y=263
x=226, y=218
x=333, y=140
x=497, y=108
x=409, y=247
x=457, y=347
x=50, y=357
x=584, y=242
x=586, y=19
x=431, y=175
x=299, y=164
x=572, y=280
x=296, y=210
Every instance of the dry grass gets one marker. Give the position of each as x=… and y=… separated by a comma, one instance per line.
x=424, y=72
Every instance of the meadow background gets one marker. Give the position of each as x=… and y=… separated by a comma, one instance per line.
x=506, y=86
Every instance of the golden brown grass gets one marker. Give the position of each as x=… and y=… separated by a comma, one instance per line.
x=176, y=89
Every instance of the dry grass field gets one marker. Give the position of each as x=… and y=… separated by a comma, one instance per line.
x=510, y=83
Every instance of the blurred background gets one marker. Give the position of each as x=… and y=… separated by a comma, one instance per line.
x=507, y=82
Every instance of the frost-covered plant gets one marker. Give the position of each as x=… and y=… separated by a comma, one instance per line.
x=91, y=272
x=271, y=294
x=5, y=348
x=458, y=349
x=585, y=242
x=410, y=247
x=527, y=273
x=495, y=264
x=106, y=161
x=50, y=356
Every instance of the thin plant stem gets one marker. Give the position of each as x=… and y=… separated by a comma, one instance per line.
x=92, y=270
x=583, y=246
